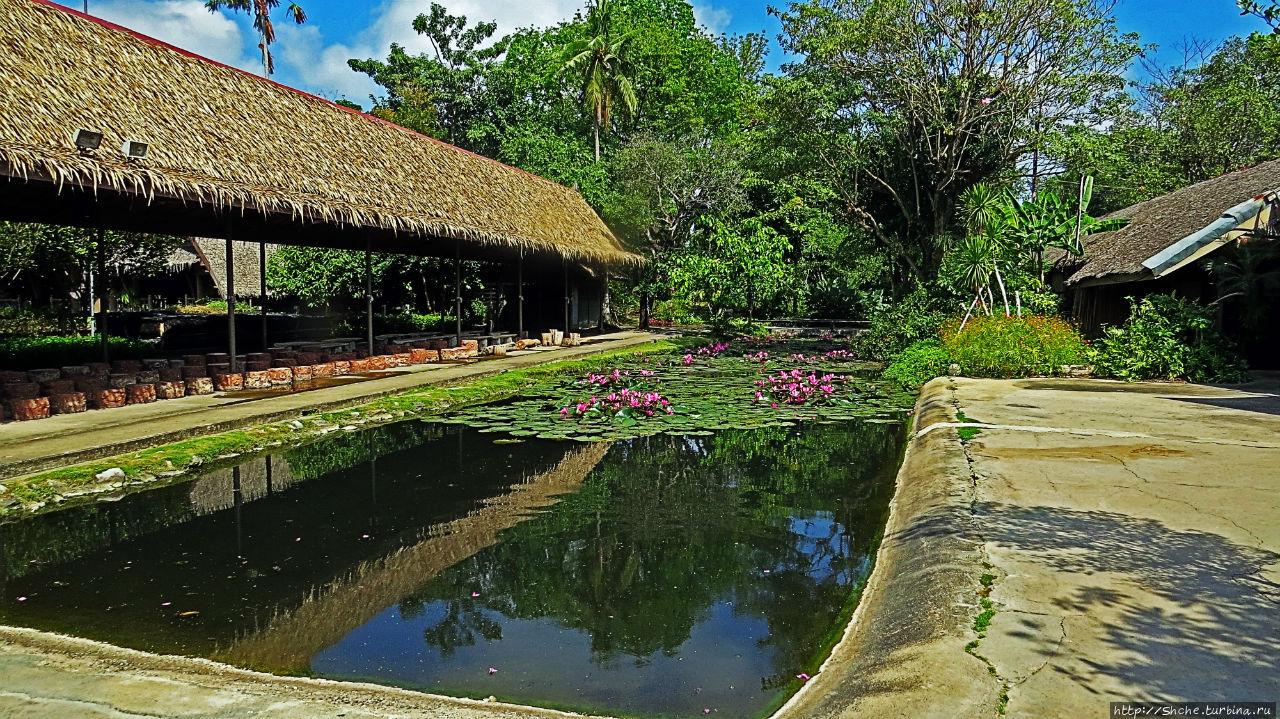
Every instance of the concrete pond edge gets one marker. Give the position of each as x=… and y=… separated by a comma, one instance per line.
x=903, y=651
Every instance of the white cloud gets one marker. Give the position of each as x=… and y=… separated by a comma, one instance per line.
x=322, y=67
x=715, y=19
x=184, y=23
x=314, y=57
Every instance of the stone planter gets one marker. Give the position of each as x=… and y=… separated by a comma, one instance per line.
x=126, y=366
x=281, y=375
x=107, y=398
x=322, y=369
x=74, y=371
x=140, y=394
x=68, y=403
x=57, y=386
x=155, y=364
x=171, y=390
x=199, y=385
x=170, y=374
x=90, y=384
x=228, y=382
x=341, y=367
x=44, y=375
x=257, y=379
x=22, y=390
x=120, y=380
x=302, y=373
x=193, y=360
x=25, y=409
x=190, y=372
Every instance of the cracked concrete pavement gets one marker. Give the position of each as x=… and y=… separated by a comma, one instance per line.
x=1132, y=537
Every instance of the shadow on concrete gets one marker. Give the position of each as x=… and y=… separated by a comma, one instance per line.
x=1264, y=404
x=1219, y=641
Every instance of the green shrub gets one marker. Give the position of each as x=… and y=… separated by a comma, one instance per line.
x=22, y=353
x=394, y=323
x=999, y=346
x=917, y=364
x=896, y=326
x=1167, y=337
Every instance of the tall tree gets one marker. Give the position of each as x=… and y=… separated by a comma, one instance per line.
x=601, y=61
x=261, y=10
x=919, y=99
x=441, y=94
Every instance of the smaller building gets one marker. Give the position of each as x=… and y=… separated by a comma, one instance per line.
x=1166, y=244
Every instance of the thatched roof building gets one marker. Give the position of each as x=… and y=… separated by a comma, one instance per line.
x=1161, y=248
x=231, y=153
x=213, y=256
x=1158, y=223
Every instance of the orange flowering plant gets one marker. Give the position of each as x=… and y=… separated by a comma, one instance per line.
x=999, y=346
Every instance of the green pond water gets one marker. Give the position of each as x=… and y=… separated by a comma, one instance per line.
x=663, y=575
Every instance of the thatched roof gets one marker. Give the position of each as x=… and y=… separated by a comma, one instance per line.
x=223, y=138
x=213, y=255
x=1160, y=222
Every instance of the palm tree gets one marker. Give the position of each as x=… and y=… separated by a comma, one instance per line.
x=261, y=10
x=601, y=61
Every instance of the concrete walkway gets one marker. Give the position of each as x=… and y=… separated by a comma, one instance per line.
x=1131, y=538
x=27, y=447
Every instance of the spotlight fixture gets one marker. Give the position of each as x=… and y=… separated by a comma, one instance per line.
x=88, y=140
x=134, y=150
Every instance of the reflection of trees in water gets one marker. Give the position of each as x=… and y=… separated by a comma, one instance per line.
x=463, y=620
x=666, y=526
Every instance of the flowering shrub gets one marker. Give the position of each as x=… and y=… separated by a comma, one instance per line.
x=999, y=346
x=795, y=387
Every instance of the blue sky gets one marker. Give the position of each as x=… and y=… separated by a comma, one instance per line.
x=313, y=57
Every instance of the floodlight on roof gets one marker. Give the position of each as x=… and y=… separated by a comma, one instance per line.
x=88, y=140
x=134, y=150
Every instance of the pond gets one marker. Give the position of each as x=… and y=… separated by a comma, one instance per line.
x=655, y=576
x=668, y=536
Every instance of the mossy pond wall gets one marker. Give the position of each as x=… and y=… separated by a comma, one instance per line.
x=658, y=575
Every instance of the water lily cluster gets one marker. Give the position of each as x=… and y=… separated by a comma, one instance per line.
x=832, y=355
x=796, y=387
x=620, y=377
x=623, y=403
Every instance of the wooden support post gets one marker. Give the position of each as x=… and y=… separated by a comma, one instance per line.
x=231, y=302
x=368, y=292
x=565, y=264
x=604, y=296
x=457, y=290
x=520, y=296
x=262, y=289
x=102, y=294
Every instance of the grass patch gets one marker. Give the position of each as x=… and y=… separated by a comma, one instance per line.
x=987, y=580
x=982, y=622
x=967, y=433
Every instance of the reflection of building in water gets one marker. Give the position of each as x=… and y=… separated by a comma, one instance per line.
x=329, y=613
x=259, y=477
